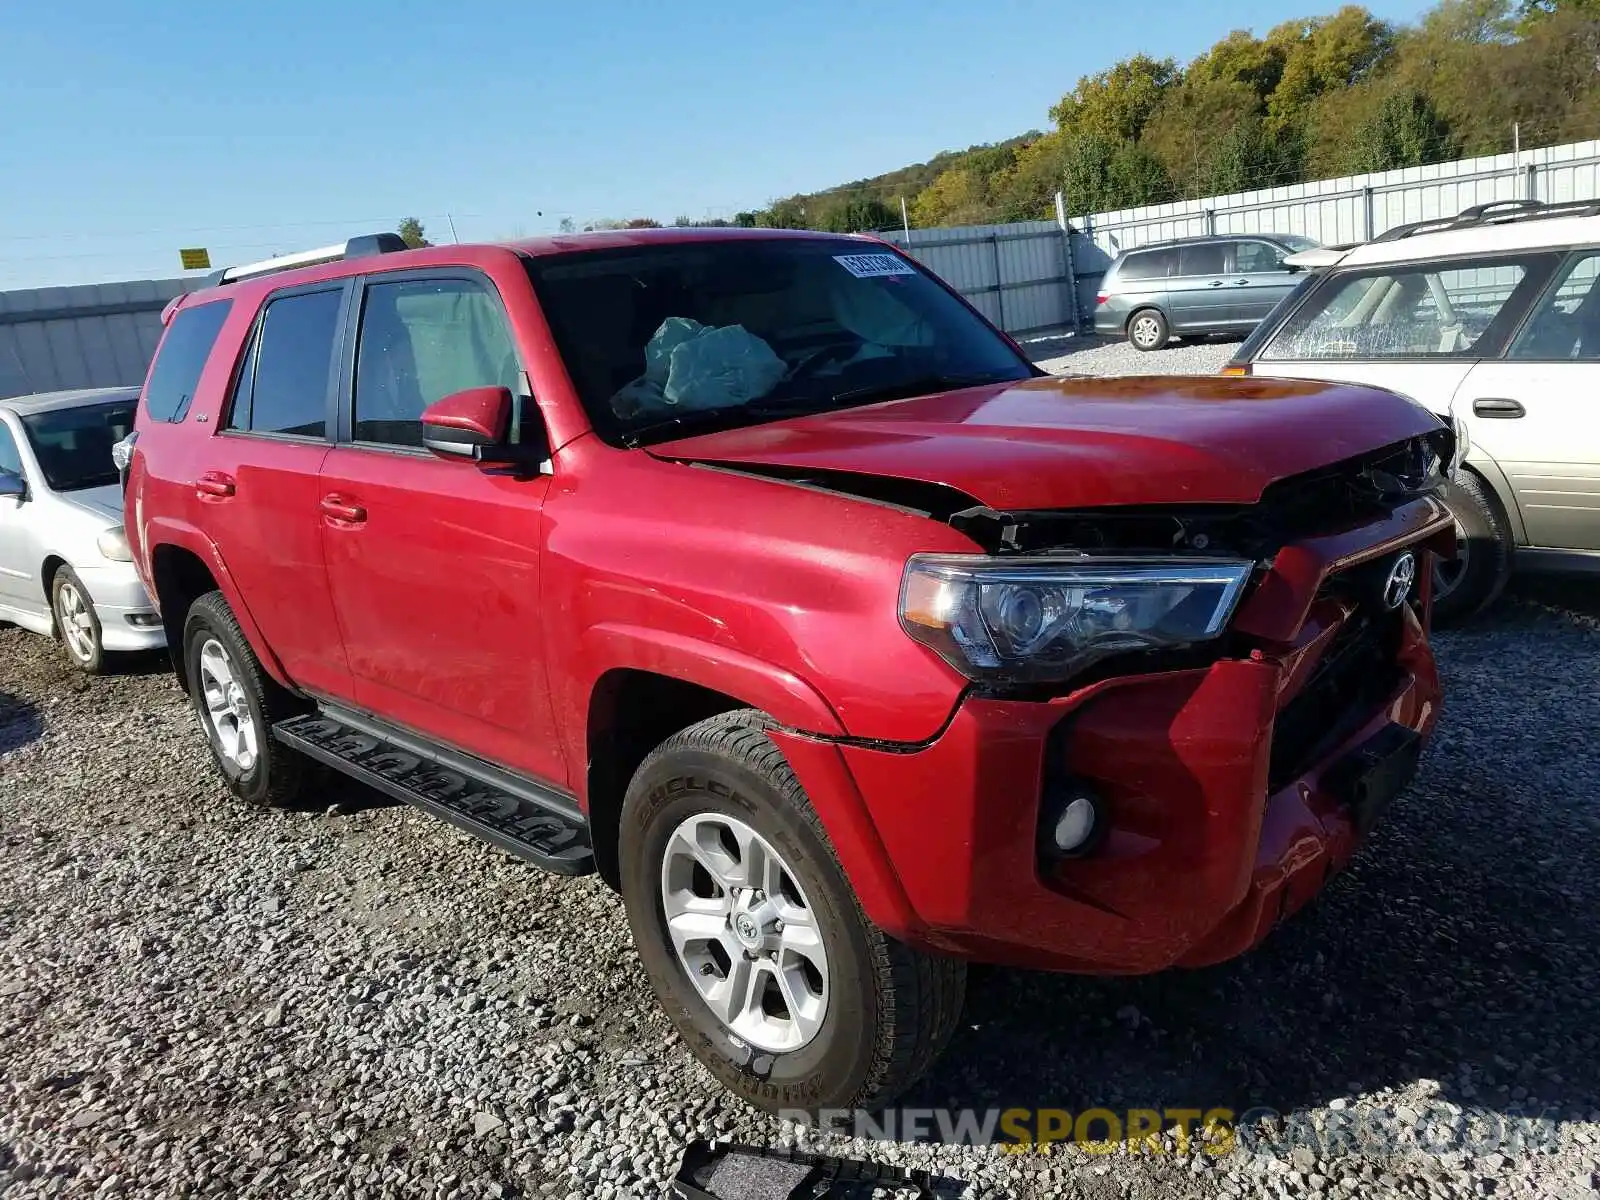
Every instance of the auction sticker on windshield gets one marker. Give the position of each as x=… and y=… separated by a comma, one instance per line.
x=874, y=266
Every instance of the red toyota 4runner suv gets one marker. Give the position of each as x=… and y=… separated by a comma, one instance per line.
x=760, y=574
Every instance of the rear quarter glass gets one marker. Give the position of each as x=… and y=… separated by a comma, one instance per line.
x=181, y=358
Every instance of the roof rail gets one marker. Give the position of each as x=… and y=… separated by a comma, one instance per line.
x=356, y=247
x=1496, y=212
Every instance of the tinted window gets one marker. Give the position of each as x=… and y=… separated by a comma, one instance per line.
x=1148, y=264
x=10, y=460
x=663, y=337
x=1421, y=311
x=1566, y=325
x=1205, y=259
x=73, y=445
x=283, y=386
x=176, y=372
x=1253, y=257
x=421, y=340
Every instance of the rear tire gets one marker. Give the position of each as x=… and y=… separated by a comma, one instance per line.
x=238, y=703
x=1148, y=329
x=1464, y=588
x=875, y=1013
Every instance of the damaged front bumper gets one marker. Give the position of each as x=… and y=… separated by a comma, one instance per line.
x=1229, y=793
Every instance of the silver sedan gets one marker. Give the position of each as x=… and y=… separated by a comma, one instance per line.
x=65, y=570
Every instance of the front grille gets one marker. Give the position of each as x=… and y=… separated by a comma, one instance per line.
x=1358, y=672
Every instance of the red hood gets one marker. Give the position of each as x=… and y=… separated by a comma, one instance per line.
x=1081, y=443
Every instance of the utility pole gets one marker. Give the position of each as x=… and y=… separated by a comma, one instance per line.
x=1516, y=143
x=905, y=220
x=451, y=221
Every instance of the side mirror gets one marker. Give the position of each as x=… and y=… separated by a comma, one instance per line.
x=476, y=424
x=13, y=486
x=463, y=424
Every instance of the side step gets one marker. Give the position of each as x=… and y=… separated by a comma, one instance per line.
x=507, y=811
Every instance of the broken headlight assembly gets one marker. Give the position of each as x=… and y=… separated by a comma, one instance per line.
x=1044, y=619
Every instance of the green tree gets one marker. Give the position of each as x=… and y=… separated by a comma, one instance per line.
x=1115, y=104
x=567, y=225
x=853, y=212
x=789, y=213
x=1102, y=174
x=1324, y=54
x=1405, y=131
x=956, y=197
x=411, y=233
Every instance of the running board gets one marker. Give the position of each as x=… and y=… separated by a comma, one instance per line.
x=514, y=814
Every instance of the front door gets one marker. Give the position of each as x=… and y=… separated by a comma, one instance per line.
x=1537, y=411
x=257, y=484
x=435, y=564
x=1257, y=280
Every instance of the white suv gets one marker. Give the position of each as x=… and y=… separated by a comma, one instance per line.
x=1492, y=319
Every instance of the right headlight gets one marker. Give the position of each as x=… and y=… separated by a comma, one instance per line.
x=1044, y=619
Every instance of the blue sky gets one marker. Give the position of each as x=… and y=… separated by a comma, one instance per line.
x=135, y=129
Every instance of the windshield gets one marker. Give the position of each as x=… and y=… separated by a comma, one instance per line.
x=661, y=340
x=1295, y=242
x=73, y=445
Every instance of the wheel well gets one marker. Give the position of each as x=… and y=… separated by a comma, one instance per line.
x=1143, y=308
x=631, y=713
x=47, y=576
x=181, y=577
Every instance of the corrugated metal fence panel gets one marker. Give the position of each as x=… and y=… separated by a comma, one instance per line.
x=98, y=335
x=1014, y=274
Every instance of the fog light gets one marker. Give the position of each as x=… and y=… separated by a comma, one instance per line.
x=1071, y=821
x=144, y=620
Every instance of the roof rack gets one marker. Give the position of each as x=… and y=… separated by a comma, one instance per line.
x=356, y=247
x=1496, y=212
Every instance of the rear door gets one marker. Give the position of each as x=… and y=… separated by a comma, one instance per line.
x=1415, y=328
x=1141, y=281
x=1258, y=280
x=435, y=564
x=257, y=486
x=1537, y=411
x=1198, y=294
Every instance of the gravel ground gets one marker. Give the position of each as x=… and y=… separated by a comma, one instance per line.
x=1107, y=356
x=354, y=1000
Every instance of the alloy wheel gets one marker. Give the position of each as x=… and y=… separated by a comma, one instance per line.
x=77, y=624
x=227, y=711
x=744, y=932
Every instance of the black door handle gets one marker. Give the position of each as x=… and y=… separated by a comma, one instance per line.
x=1502, y=410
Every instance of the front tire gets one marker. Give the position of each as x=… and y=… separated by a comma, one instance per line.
x=238, y=703
x=1484, y=549
x=1148, y=329
x=75, y=617
x=722, y=857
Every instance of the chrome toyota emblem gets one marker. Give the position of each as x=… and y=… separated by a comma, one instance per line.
x=1401, y=576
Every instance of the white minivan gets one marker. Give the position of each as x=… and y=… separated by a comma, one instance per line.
x=1490, y=319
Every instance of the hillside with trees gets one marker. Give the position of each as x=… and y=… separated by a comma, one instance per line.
x=1313, y=98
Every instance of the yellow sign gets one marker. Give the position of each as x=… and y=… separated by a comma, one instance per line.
x=195, y=260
